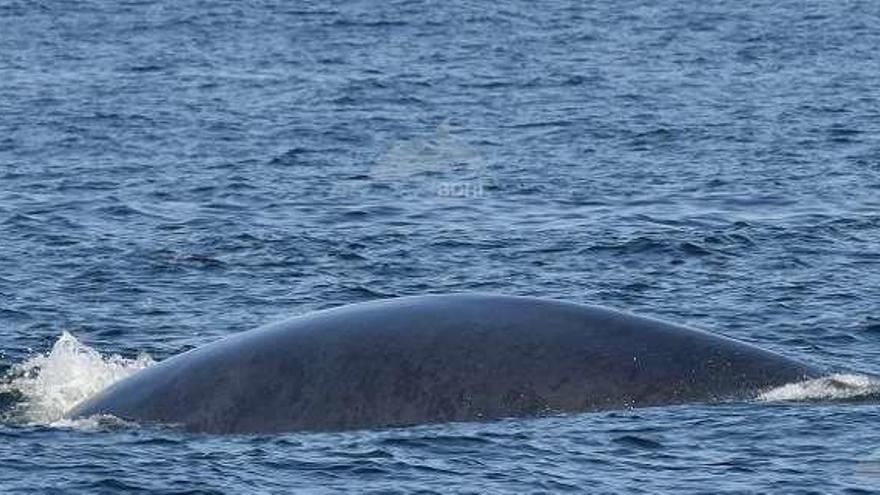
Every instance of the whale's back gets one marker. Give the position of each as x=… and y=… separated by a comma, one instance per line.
x=440, y=358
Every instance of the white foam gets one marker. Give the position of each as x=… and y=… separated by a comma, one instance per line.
x=837, y=386
x=51, y=384
x=97, y=422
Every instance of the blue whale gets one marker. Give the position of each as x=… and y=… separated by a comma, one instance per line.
x=440, y=358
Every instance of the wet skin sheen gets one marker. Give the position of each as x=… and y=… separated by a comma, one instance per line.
x=440, y=358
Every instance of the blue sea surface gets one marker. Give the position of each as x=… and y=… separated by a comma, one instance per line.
x=175, y=172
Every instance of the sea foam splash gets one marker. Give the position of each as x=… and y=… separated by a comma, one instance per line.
x=48, y=385
x=837, y=386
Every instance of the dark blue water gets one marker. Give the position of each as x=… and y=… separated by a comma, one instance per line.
x=173, y=172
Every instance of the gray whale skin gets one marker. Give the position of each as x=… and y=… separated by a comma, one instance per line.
x=439, y=358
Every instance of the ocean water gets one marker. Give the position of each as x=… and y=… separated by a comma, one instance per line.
x=174, y=172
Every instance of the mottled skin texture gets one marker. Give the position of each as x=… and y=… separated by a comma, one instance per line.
x=440, y=358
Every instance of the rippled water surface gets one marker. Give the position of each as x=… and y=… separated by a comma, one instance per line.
x=174, y=172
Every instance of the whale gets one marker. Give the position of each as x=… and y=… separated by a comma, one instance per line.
x=440, y=358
